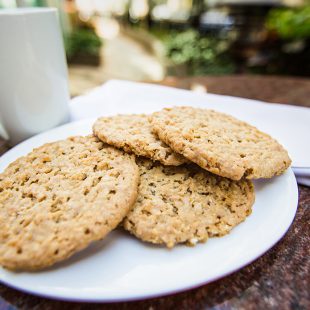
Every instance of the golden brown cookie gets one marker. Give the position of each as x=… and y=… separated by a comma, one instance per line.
x=60, y=197
x=220, y=143
x=132, y=133
x=186, y=204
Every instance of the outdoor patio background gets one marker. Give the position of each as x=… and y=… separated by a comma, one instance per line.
x=148, y=40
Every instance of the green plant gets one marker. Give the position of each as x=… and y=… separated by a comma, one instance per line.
x=201, y=54
x=290, y=23
x=82, y=41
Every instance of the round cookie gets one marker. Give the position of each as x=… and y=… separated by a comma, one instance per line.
x=60, y=197
x=133, y=134
x=220, y=143
x=186, y=204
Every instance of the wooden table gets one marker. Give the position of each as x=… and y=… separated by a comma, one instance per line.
x=280, y=279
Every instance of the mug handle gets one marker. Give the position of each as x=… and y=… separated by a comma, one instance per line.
x=3, y=134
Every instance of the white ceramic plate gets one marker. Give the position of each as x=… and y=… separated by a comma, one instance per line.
x=121, y=267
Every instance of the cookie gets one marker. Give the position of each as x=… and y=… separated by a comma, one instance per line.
x=186, y=204
x=132, y=133
x=60, y=197
x=220, y=143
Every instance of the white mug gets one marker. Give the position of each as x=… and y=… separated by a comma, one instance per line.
x=33, y=72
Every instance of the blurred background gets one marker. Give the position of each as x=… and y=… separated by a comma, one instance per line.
x=150, y=40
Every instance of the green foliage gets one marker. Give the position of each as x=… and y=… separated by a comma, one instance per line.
x=290, y=23
x=201, y=54
x=82, y=41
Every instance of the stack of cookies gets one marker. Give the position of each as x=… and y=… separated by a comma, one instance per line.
x=180, y=175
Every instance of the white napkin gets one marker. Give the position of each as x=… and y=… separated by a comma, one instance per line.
x=290, y=125
x=302, y=175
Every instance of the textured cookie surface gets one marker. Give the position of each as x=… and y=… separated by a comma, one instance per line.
x=61, y=197
x=186, y=204
x=133, y=134
x=220, y=143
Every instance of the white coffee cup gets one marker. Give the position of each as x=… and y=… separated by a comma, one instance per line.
x=33, y=72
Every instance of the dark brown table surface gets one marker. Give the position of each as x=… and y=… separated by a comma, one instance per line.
x=280, y=279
